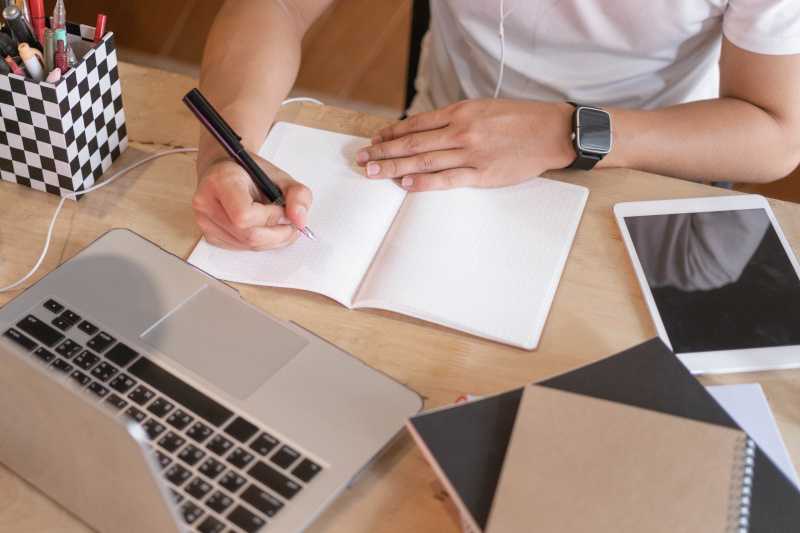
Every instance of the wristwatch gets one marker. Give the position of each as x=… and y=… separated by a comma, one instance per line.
x=591, y=135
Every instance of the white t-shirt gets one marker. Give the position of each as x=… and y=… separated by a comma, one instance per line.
x=627, y=53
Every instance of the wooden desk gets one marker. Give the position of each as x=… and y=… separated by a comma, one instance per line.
x=598, y=309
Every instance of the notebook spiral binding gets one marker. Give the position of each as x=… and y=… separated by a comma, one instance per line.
x=739, y=519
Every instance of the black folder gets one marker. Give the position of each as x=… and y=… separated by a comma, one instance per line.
x=469, y=441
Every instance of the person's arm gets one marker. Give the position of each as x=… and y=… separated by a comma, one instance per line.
x=751, y=133
x=250, y=63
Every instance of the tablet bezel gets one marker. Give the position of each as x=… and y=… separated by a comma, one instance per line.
x=720, y=361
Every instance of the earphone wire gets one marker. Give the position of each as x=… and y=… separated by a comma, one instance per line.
x=502, y=34
x=107, y=181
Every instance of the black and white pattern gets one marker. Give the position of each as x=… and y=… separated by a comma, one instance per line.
x=61, y=137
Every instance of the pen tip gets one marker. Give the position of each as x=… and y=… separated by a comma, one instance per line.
x=308, y=233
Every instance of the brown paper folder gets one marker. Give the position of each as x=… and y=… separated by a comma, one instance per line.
x=579, y=464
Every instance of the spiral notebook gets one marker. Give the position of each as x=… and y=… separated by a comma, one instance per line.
x=483, y=261
x=582, y=464
x=466, y=444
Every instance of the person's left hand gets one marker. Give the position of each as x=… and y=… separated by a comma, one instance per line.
x=472, y=143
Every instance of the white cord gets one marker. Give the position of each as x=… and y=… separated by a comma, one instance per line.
x=105, y=182
x=502, y=34
x=301, y=99
x=73, y=196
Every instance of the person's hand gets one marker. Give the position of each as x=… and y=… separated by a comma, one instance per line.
x=473, y=143
x=234, y=214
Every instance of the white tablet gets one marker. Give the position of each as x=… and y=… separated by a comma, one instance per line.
x=719, y=278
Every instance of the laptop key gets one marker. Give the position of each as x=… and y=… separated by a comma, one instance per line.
x=306, y=470
x=80, y=378
x=177, y=475
x=121, y=355
x=264, y=443
x=160, y=407
x=68, y=349
x=210, y=525
x=21, y=340
x=198, y=488
x=141, y=395
x=284, y=457
x=115, y=401
x=191, y=512
x=232, y=481
x=98, y=389
x=219, y=502
x=87, y=327
x=53, y=306
x=121, y=383
x=191, y=455
x=62, y=366
x=135, y=414
x=70, y=317
x=246, y=520
x=240, y=458
x=40, y=331
x=263, y=501
x=241, y=430
x=104, y=371
x=177, y=496
x=44, y=355
x=199, y=432
x=61, y=324
x=153, y=428
x=219, y=445
x=179, y=420
x=101, y=342
x=163, y=459
x=211, y=468
x=274, y=480
x=86, y=360
x=171, y=441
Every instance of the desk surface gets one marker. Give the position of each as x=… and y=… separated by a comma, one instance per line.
x=598, y=309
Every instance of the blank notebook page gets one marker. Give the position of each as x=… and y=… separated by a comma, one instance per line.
x=485, y=261
x=350, y=216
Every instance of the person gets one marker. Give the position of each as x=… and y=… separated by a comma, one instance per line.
x=696, y=89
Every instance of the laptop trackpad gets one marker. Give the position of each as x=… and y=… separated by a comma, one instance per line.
x=224, y=341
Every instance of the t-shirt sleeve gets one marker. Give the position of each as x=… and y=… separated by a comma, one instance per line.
x=763, y=26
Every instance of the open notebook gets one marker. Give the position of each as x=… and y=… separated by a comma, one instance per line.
x=484, y=261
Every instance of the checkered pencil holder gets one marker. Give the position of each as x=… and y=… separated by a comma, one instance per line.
x=60, y=137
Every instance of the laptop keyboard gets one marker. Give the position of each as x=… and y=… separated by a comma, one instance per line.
x=225, y=472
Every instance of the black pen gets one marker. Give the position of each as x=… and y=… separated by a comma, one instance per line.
x=231, y=142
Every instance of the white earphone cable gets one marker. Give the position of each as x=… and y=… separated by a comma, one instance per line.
x=105, y=182
x=502, y=35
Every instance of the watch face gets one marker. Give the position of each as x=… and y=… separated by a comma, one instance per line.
x=594, y=130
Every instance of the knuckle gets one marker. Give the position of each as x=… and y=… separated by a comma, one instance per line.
x=411, y=143
x=413, y=122
x=391, y=167
x=426, y=162
x=240, y=219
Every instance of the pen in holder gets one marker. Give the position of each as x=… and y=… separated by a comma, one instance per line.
x=60, y=137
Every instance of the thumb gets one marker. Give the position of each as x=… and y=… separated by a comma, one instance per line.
x=298, y=202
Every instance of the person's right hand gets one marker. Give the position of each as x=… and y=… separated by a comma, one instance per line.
x=234, y=214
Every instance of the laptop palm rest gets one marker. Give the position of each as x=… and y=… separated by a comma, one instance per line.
x=225, y=341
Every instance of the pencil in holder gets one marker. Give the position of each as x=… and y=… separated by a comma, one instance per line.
x=60, y=137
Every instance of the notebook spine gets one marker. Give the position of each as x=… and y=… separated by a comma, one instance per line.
x=742, y=489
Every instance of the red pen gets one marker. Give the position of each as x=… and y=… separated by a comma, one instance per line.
x=36, y=9
x=14, y=67
x=100, y=27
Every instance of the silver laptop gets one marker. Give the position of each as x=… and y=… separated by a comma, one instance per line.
x=144, y=395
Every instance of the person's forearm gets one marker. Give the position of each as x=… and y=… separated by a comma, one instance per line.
x=715, y=140
x=250, y=63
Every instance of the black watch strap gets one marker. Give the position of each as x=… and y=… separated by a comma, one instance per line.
x=585, y=162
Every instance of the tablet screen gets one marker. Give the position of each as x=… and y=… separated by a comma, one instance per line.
x=720, y=280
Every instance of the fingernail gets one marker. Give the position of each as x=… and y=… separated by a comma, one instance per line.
x=373, y=169
x=300, y=210
x=362, y=156
x=283, y=221
x=407, y=182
